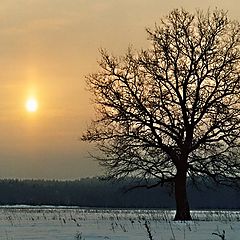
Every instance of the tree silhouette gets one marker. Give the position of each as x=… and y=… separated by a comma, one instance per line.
x=172, y=111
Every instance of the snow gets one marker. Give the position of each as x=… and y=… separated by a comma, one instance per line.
x=65, y=223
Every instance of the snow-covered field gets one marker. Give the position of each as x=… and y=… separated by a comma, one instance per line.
x=48, y=223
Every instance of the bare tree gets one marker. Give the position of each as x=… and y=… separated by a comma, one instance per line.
x=172, y=111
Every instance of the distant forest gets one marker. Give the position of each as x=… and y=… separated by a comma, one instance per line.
x=92, y=192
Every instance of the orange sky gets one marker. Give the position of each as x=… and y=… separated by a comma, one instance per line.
x=46, y=49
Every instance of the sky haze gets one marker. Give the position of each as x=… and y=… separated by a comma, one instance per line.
x=47, y=47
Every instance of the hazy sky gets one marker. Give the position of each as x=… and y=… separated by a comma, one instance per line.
x=47, y=47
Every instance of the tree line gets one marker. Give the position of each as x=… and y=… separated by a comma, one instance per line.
x=93, y=192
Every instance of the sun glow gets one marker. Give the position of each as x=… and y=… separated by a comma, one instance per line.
x=31, y=105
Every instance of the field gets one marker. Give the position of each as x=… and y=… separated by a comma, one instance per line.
x=48, y=223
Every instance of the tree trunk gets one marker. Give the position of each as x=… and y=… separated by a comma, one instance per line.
x=182, y=206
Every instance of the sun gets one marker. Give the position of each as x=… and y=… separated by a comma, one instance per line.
x=31, y=105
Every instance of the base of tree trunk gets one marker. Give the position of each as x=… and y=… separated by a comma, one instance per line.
x=183, y=216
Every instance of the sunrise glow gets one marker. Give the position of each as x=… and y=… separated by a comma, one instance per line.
x=31, y=105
